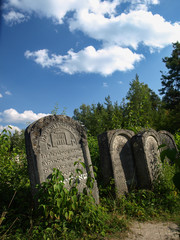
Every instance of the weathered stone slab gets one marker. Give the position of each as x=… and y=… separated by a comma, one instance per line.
x=147, y=157
x=57, y=141
x=116, y=159
x=167, y=139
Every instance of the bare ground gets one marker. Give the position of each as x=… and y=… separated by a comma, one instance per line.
x=150, y=231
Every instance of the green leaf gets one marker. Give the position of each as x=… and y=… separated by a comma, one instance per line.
x=79, y=171
x=73, y=206
x=176, y=180
x=71, y=214
x=161, y=146
x=83, y=164
x=74, y=199
x=66, y=215
x=163, y=155
x=51, y=214
x=59, y=201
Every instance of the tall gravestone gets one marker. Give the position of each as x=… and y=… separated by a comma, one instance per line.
x=57, y=141
x=116, y=159
x=167, y=139
x=147, y=157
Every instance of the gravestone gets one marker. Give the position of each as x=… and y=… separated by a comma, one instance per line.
x=57, y=141
x=116, y=159
x=147, y=157
x=167, y=139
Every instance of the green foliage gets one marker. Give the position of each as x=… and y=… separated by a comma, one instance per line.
x=94, y=152
x=67, y=212
x=14, y=184
x=174, y=158
x=142, y=109
x=13, y=165
x=147, y=204
x=177, y=139
x=56, y=109
x=139, y=105
x=171, y=80
x=99, y=118
x=18, y=141
x=171, y=88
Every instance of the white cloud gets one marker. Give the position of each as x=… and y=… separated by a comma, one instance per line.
x=1, y=95
x=105, y=85
x=134, y=26
x=104, y=61
x=8, y=93
x=12, y=129
x=128, y=29
x=141, y=4
x=57, y=9
x=12, y=116
x=102, y=21
x=41, y=57
x=13, y=17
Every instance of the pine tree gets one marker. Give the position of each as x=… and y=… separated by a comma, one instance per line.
x=171, y=79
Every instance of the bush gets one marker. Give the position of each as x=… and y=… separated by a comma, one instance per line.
x=14, y=186
x=66, y=212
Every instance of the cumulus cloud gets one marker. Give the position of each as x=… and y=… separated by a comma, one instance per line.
x=13, y=17
x=141, y=4
x=104, y=61
x=103, y=21
x=13, y=116
x=57, y=9
x=1, y=95
x=41, y=57
x=128, y=29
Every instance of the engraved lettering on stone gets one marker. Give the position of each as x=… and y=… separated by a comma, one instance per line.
x=152, y=153
x=58, y=139
x=56, y=142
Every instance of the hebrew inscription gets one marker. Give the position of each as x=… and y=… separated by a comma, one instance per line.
x=57, y=142
x=152, y=155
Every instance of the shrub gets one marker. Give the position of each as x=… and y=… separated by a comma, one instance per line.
x=66, y=212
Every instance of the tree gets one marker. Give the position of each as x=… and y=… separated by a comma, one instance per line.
x=171, y=79
x=18, y=141
x=99, y=118
x=142, y=107
x=171, y=88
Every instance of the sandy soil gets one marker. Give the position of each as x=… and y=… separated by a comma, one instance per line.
x=151, y=231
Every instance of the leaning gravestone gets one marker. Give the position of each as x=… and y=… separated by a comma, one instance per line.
x=167, y=139
x=116, y=159
x=147, y=157
x=57, y=141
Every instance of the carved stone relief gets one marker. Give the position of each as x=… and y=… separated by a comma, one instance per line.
x=57, y=142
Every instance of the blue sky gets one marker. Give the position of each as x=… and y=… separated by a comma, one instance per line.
x=72, y=52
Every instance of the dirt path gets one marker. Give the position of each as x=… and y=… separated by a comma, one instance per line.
x=151, y=231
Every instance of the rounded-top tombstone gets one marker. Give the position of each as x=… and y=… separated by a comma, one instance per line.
x=167, y=139
x=57, y=141
x=147, y=157
x=116, y=159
